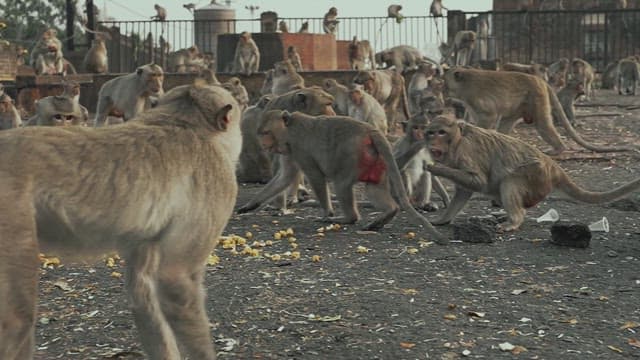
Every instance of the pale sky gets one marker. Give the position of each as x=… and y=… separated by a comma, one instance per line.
x=142, y=9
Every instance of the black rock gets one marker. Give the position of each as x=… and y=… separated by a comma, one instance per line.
x=570, y=234
x=476, y=229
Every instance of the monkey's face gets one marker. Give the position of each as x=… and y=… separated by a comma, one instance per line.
x=314, y=102
x=272, y=133
x=6, y=104
x=356, y=97
x=442, y=135
x=62, y=119
x=454, y=82
x=417, y=128
x=367, y=80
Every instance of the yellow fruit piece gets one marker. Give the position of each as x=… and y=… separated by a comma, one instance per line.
x=316, y=258
x=292, y=239
x=268, y=243
x=295, y=255
x=277, y=236
x=412, y=250
x=213, y=260
x=275, y=257
x=361, y=249
x=289, y=232
x=110, y=262
x=294, y=245
x=248, y=235
x=410, y=235
x=116, y=275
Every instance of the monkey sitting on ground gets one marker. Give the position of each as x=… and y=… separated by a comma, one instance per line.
x=505, y=97
x=355, y=152
x=509, y=170
x=128, y=95
x=294, y=57
x=419, y=81
x=628, y=76
x=159, y=190
x=71, y=89
x=9, y=116
x=96, y=60
x=247, y=55
x=57, y=111
x=361, y=53
x=286, y=78
x=533, y=69
x=417, y=179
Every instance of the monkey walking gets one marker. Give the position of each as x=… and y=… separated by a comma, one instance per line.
x=511, y=171
x=354, y=152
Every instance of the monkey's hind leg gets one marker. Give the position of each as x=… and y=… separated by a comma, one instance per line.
x=381, y=198
x=346, y=198
x=511, y=198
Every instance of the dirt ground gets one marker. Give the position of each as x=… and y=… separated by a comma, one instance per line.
x=344, y=294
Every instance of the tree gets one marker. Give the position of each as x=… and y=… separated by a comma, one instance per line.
x=26, y=20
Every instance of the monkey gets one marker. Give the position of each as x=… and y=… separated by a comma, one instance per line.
x=209, y=76
x=393, y=11
x=495, y=64
x=239, y=92
x=329, y=23
x=538, y=70
x=128, y=94
x=283, y=27
x=558, y=72
x=159, y=190
x=247, y=56
x=361, y=52
x=509, y=170
x=419, y=81
x=431, y=100
x=628, y=76
x=417, y=179
x=364, y=107
x=9, y=116
x=583, y=70
x=285, y=78
x=267, y=84
x=568, y=95
x=185, y=60
x=190, y=7
x=358, y=153
x=340, y=95
x=463, y=44
x=386, y=86
x=304, y=29
x=402, y=58
x=609, y=78
x=21, y=54
x=96, y=60
x=294, y=57
x=46, y=55
x=509, y=96
x=436, y=8
x=161, y=13
x=254, y=165
x=56, y=111
x=71, y=89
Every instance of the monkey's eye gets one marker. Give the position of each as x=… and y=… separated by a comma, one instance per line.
x=57, y=117
x=69, y=117
x=442, y=132
x=415, y=127
x=430, y=133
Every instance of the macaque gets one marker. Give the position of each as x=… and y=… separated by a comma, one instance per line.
x=505, y=97
x=9, y=116
x=419, y=81
x=558, y=72
x=128, y=95
x=393, y=11
x=464, y=43
x=158, y=190
x=359, y=153
x=267, y=84
x=209, y=77
x=247, y=56
x=21, y=54
x=583, y=70
x=185, y=60
x=161, y=13
x=190, y=7
x=283, y=27
x=286, y=78
x=538, y=70
x=294, y=57
x=304, y=29
x=567, y=97
x=512, y=172
x=609, y=77
x=254, y=165
x=386, y=86
x=96, y=60
x=57, y=111
x=361, y=53
x=239, y=92
x=46, y=55
x=417, y=179
x=431, y=100
x=364, y=107
x=402, y=58
x=329, y=23
x=71, y=89
x=436, y=8
x=628, y=76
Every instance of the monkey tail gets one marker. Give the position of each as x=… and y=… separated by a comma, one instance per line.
x=565, y=184
x=398, y=190
x=405, y=101
x=558, y=113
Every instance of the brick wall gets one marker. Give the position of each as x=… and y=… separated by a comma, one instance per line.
x=343, y=54
x=7, y=63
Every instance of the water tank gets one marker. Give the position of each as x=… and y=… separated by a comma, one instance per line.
x=211, y=20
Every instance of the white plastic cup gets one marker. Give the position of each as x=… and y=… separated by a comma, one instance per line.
x=600, y=225
x=550, y=216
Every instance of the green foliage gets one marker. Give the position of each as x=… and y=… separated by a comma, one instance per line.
x=26, y=20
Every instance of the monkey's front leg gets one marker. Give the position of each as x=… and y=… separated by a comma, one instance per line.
x=474, y=182
x=458, y=202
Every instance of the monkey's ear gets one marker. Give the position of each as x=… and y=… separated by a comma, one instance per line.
x=235, y=81
x=286, y=117
x=222, y=117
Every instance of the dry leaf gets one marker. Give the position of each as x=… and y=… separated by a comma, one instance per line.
x=518, y=349
x=450, y=317
x=476, y=314
x=634, y=343
x=412, y=250
x=361, y=249
x=505, y=346
x=613, y=348
x=407, y=345
x=629, y=325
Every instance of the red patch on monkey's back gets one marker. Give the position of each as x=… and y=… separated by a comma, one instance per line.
x=371, y=165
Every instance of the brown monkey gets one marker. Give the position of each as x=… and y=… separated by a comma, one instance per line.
x=436, y=8
x=304, y=29
x=340, y=95
x=361, y=53
x=161, y=13
x=96, y=60
x=57, y=111
x=254, y=164
x=538, y=70
x=610, y=75
x=431, y=100
x=9, y=116
x=247, y=56
x=185, y=60
x=21, y=54
x=567, y=97
x=463, y=44
x=267, y=84
x=511, y=171
x=239, y=92
x=558, y=72
x=159, y=190
x=386, y=86
x=294, y=57
x=71, y=89
x=419, y=81
x=329, y=23
x=285, y=78
x=628, y=76
x=209, y=76
x=402, y=58
x=509, y=96
x=359, y=153
x=364, y=107
x=128, y=94
x=417, y=179
x=282, y=26
x=584, y=71
x=46, y=55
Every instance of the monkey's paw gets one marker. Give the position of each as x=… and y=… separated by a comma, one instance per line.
x=429, y=207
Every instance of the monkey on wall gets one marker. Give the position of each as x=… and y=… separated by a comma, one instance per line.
x=46, y=55
x=285, y=78
x=294, y=57
x=96, y=60
x=361, y=55
x=246, y=60
x=329, y=23
x=9, y=116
